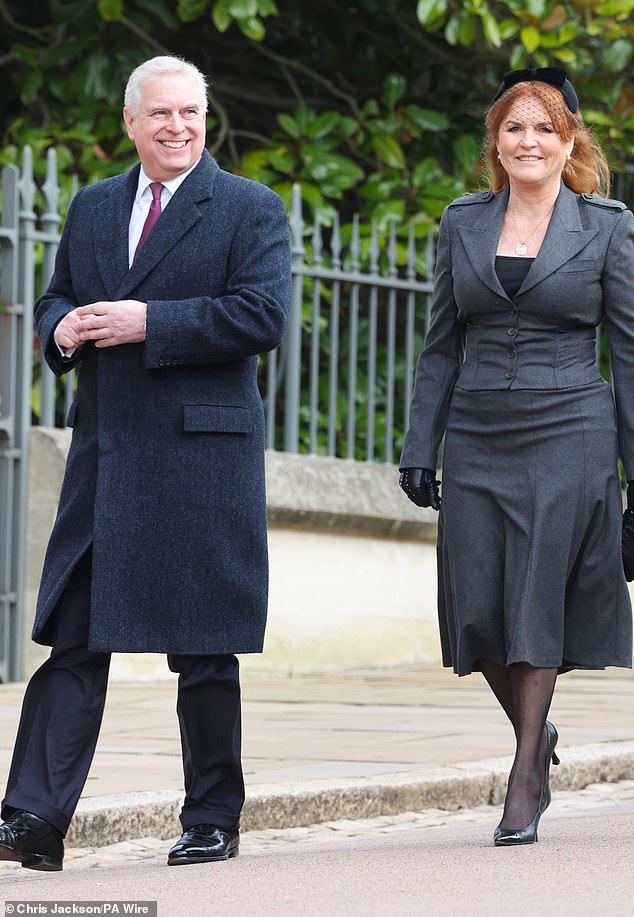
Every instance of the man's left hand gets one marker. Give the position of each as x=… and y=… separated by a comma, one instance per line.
x=112, y=323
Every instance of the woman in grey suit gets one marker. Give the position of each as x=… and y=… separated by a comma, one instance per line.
x=529, y=566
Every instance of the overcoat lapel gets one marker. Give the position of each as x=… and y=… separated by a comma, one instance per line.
x=110, y=232
x=179, y=216
x=481, y=241
x=565, y=238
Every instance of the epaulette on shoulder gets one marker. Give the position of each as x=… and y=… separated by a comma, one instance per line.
x=480, y=197
x=604, y=202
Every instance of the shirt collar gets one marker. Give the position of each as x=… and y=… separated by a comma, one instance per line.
x=172, y=184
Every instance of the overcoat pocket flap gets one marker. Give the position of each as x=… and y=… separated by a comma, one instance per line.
x=217, y=418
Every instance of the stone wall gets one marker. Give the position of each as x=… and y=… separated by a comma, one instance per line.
x=352, y=563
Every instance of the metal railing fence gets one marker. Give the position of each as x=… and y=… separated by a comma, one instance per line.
x=346, y=367
x=20, y=233
x=338, y=386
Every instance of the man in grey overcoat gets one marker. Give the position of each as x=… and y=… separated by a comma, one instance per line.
x=169, y=281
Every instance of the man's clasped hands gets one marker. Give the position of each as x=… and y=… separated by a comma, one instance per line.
x=105, y=323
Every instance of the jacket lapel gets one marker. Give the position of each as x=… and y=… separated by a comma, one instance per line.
x=481, y=241
x=177, y=219
x=565, y=238
x=110, y=231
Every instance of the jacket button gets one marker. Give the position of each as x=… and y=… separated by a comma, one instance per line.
x=515, y=312
x=511, y=353
x=511, y=332
x=509, y=373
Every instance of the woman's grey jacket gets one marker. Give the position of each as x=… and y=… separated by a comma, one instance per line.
x=544, y=338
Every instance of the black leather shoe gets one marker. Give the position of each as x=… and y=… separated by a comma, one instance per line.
x=514, y=837
x=204, y=844
x=28, y=839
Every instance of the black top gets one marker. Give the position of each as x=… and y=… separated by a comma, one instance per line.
x=511, y=272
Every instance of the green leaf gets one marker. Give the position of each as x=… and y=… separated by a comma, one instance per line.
x=614, y=7
x=333, y=173
x=389, y=150
x=255, y=165
x=430, y=13
x=242, y=9
x=190, y=10
x=618, y=55
x=427, y=119
x=312, y=195
x=425, y=173
x=465, y=151
x=161, y=10
x=282, y=159
x=220, y=16
x=467, y=29
x=252, y=27
x=30, y=83
x=347, y=127
x=289, y=125
x=393, y=89
x=388, y=212
x=597, y=117
x=323, y=125
x=519, y=57
x=490, y=28
x=305, y=117
x=267, y=8
x=110, y=10
x=566, y=55
x=370, y=108
x=451, y=30
x=569, y=32
x=536, y=8
x=530, y=38
x=508, y=28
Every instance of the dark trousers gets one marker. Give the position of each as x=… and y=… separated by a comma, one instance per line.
x=62, y=713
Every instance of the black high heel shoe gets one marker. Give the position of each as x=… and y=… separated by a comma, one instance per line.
x=513, y=837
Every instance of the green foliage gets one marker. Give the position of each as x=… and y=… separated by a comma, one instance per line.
x=373, y=107
x=378, y=109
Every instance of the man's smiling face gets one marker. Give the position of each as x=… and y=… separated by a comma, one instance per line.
x=168, y=129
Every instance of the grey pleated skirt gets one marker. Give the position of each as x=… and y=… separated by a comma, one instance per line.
x=529, y=540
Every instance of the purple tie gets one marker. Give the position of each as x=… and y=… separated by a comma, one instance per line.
x=153, y=214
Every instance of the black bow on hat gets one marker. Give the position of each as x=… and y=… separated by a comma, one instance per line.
x=554, y=76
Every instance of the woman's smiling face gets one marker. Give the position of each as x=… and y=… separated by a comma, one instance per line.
x=530, y=149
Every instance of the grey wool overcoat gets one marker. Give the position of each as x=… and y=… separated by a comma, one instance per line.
x=165, y=475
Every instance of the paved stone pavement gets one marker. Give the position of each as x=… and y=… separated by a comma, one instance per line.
x=379, y=730
x=311, y=728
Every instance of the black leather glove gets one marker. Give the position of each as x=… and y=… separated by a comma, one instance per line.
x=421, y=486
x=627, y=538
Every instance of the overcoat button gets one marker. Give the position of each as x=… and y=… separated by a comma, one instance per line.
x=512, y=353
x=511, y=331
x=509, y=373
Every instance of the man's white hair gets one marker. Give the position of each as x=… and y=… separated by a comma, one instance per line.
x=159, y=66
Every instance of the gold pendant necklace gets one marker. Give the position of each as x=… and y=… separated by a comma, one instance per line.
x=521, y=248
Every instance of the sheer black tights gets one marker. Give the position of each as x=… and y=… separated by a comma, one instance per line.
x=524, y=692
